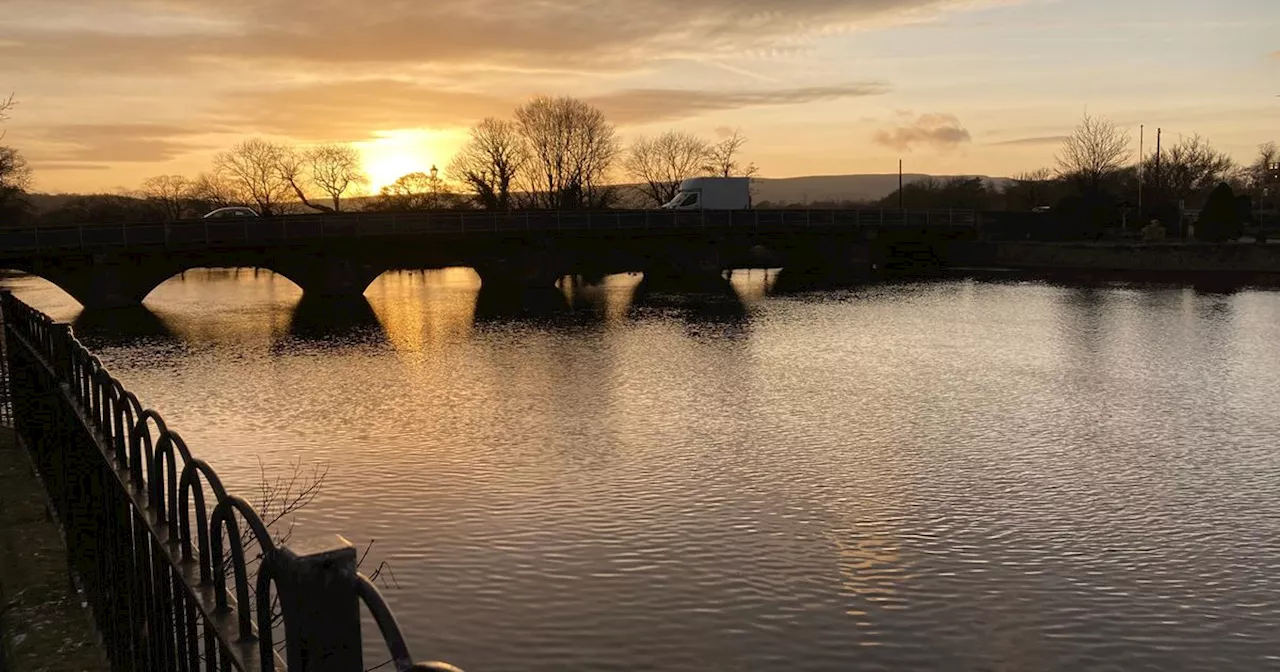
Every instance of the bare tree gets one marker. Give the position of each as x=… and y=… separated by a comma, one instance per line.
x=1263, y=176
x=1188, y=168
x=660, y=164
x=1094, y=152
x=213, y=190
x=335, y=170
x=414, y=192
x=1030, y=189
x=170, y=192
x=571, y=150
x=724, y=161
x=15, y=174
x=6, y=104
x=15, y=179
x=254, y=168
x=293, y=168
x=490, y=162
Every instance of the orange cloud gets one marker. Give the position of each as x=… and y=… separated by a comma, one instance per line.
x=177, y=36
x=69, y=145
x=353, y=110
x=940, y=131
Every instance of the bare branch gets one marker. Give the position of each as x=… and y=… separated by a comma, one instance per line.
x=15, y=174
x=660, y=164
x=253, y=167
x=571, y=148
x=490, y=162
x=414, y=192
x=170, y=192
x=291, y=166
x=212, y=190
x=723, y=161
x=1094, y=152
x=1188, y=168
x=335, y=170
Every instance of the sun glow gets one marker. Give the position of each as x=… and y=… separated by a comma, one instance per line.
x=396, y=153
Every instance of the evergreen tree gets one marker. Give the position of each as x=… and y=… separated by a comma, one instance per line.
x=1220, y=218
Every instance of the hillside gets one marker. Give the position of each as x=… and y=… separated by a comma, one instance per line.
x=810, y=189
x=834, y=187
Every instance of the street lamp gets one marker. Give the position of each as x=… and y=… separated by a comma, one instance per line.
x=435, y=186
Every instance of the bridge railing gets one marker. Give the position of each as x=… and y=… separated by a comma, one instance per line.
x=302, y=228
x=178, y=573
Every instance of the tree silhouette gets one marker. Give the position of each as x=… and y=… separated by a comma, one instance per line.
x=1094, y=152
x=490, y=162
x=414, y=192
x=660, y=164
x=293, y=168
x=335, y=170
x=253, y=167
x=1189, y=168
x=571, y=150
x=214, y=190
x=723, y=159
x=1220, y=218
x=168, y=192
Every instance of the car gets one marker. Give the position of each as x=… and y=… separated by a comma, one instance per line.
x=1041, y=209
x=233, y=211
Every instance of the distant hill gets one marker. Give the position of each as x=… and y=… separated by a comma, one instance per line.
x=837, y=187
x=810, y=189
x=47, y=202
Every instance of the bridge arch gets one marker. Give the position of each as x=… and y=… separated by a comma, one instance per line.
x=123, y=281
x=37, y=288
x=230, y=273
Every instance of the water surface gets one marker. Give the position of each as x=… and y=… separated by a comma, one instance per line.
x=946, y=475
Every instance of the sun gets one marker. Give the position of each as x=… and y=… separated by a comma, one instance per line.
x=396, y=153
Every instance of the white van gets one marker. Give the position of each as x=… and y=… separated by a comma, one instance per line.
x=712, y=193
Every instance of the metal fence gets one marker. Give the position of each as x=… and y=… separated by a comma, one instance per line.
x=296, y=228
x=178, y=573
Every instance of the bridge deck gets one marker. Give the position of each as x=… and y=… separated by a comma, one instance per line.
x=279, y=230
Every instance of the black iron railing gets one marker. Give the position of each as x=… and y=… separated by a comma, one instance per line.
x=178, y=573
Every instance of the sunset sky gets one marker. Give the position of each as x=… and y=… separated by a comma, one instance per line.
x=112, y=91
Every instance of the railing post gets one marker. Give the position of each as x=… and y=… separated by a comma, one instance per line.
x=316, y=583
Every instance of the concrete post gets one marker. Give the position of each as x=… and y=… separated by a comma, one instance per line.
x=316, y=582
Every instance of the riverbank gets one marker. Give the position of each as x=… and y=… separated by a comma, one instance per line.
x=43, y=625
x=1153, y=257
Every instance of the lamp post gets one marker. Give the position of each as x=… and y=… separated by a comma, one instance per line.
x=435, y=186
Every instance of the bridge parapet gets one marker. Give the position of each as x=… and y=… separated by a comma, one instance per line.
x=290, y=230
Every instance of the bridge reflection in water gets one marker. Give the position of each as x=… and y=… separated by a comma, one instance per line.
x=408, y=310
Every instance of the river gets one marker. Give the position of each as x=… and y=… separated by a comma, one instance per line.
x=948, y=475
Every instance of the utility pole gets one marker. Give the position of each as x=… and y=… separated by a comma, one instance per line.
x=1158, y=132
x=1141, y=161
x=900, y=184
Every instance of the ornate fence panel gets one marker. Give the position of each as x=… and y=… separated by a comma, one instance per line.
x=178, y=573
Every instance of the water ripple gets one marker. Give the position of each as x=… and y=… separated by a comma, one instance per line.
x=945, y=476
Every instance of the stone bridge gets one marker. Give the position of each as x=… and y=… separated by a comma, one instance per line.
x=115, y=265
